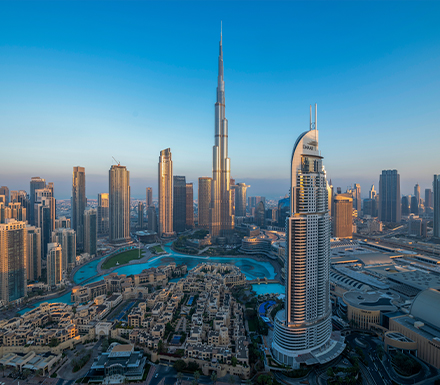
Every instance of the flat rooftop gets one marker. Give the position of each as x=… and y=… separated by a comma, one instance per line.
x=122, y=348
x=417, y=279
x=425, y=331
x=373, y=300
x=387, y=270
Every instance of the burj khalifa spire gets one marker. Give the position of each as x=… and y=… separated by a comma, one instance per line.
x=221, y=218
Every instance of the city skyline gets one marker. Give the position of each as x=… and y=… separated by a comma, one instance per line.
x=142, y=83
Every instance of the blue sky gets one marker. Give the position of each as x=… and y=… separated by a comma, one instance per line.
x=84, y=81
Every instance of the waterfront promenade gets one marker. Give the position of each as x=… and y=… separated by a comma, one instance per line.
x=256, y=269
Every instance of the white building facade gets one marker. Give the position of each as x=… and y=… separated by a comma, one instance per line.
x=303, y=330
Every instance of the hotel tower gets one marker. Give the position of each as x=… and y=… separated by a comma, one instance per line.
x=303, y=329
x=221, y=218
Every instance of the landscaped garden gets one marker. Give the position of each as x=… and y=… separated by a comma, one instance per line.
x=156, y=249
x=121, y=259
x=404, y=364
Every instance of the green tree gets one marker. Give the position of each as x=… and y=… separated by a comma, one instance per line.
x=379, y=351
x=168, y=328
x=180, y=377
x=234, y=361
x=214, y=378
x=330, y=372
x=105, y=344
x=179, y=365
x=193, y=366
x=197, y=376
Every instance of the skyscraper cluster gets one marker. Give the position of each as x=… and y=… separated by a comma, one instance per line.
x=218, y=196
x=35, y=244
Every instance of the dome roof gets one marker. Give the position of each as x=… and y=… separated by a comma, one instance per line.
x=426, y=306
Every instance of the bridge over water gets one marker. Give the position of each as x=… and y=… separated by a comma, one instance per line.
x=259, y=281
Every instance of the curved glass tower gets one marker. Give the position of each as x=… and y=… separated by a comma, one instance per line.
x=303, y=329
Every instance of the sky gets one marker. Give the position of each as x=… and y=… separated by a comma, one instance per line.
x=82, y=82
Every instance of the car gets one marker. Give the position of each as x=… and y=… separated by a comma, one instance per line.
x=157, y=375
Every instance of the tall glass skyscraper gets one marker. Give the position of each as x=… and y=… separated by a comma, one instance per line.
x=204, y=199
x=44, y=215
x=240, y=199
x=119, y=204
x=13, y=256
x=37, y=183
x=66, y=238
x=221, y=217
x=389, y=196
x=436, y=199
x=149, y=196
x=165, y=193
x=79, y=203
x=303, y=330
x=54, y=264
x=102, y=213
x=90, y=231
x=33, y=261
x=357, y=197
x=179, y=203
x=189, y=206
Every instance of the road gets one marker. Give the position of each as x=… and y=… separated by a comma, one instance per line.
x=381, y=371
x=65, y=372
x=399, y=245
x=168, y=375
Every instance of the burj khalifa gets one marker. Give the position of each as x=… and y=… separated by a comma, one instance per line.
x=221, y=218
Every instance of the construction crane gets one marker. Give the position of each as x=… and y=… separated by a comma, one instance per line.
x=119, y=163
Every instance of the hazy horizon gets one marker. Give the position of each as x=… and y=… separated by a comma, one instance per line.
x=83, y=82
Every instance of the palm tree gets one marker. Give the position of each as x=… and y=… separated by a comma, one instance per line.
x=197, y=376
x=180, y=377
x=248, y=381
x=214, y=378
